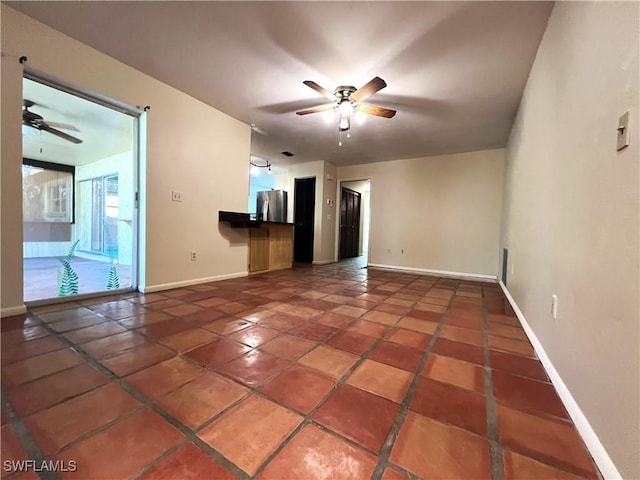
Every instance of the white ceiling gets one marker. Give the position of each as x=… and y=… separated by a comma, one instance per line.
x=455, y=70
x=104, y=132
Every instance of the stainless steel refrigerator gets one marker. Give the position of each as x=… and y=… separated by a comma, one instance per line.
x=272, y=205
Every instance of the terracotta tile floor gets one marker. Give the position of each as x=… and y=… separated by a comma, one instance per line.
x=326, y=372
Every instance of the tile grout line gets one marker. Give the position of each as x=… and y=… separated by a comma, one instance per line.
x=27, y=442
x=385, y=452
x=497, y=466
x=146, y=403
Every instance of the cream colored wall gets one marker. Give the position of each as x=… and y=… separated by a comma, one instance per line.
x=180, y=154
x=329, y=214
x=571, y=215
x=443, y=211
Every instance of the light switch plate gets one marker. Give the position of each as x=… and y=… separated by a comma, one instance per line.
x=623, y=131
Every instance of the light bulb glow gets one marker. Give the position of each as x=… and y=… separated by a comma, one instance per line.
x=346, y=108
x=344, y=123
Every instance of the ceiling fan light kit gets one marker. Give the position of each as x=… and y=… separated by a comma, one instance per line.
x=346, y=98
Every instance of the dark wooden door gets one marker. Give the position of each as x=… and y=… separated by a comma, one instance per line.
x=349, y=223
x=304, y=203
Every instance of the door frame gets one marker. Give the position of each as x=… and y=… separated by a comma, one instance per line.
x=360, y=221
x=338, y=194
x=138, y=117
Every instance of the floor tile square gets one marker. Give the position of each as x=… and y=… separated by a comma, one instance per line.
x=188, y=463
x=287, y=346
x=137, y=358
x=94, y=332
x=313, y=331
x=189, y=339
x=164, y=329
x=148, y=317
x=509, y=331
x=510, y=345
x=351, y=342
x=523, y=366
x=113, y=344
x=31, y=397
x=227, y=325
x=391, y=309
x=331, y=361
x=391, y=474
x=234, y=434
x=464, y=335
x=450, y=404
x=29, y=369
x=30, y=349
x=423, y=326
x=430, y=449
x=317, y=455
x=254, y=336
x=217, y=352
x=397, y=355
x=332, y=319
x=457, y=372
x=370, y=329
x=164, y=377
x=459, y=350
x=147, y=436
x=556, y=440
x=384, y=380
x=527, y=394
x=349, y=311
x=299, y=387
x=254, y=368
x=59, y=425
x=280, y=321
x=426, y=307
x=409, y=338
x=11, y=448
x=427, y=315
x=203, y=398
x=381, y=317
x=14, y=337
x=358, y=415
x=518, y=466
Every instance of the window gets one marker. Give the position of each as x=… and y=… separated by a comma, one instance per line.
x=47, y=192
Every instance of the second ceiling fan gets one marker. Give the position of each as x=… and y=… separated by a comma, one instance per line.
x=346, y=100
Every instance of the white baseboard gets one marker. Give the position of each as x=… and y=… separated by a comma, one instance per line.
x=441, y=273
x=195, y=281
x=323, y=262
x=12, y=311
x=591, y=440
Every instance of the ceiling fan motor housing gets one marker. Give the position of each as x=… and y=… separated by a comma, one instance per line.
x=343, y=92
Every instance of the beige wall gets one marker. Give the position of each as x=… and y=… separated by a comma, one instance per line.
x=571, y=215
x=443, y=211
x=180, y=154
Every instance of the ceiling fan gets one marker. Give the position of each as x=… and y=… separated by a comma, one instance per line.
x=33, y=120
x=347, y=98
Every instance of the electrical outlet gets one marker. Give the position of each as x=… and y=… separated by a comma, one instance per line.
x=176, y=196
x=194, y=255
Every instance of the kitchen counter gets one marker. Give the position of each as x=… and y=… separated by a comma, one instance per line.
x=270, y=243
x=244, y=220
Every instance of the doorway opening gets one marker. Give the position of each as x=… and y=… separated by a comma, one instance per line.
x=354, y=224
x=304, y=204
x=79, y=184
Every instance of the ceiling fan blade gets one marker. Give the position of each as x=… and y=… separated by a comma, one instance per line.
x=65, y=126
x=58, y=133
x=377, y=111
x=321, y=90
x=369, y=89
x=321, y=108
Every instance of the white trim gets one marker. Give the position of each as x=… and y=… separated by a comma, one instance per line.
x=589, y=436
x=442, y=273
x=322, y=262
x=12, y=311
x=195, y=281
